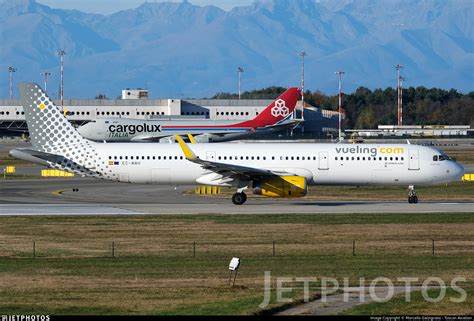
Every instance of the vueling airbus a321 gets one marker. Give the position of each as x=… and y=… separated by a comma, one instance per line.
x=276, y=170
x=276, y=117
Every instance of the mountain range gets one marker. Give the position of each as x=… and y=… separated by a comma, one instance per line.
x=182, y=50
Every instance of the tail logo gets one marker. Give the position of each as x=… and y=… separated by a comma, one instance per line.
x=280, y=108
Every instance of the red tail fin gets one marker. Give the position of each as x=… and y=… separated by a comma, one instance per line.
x=280, y=108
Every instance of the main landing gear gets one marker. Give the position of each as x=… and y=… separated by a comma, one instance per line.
x=239, y=198
x=412, y=198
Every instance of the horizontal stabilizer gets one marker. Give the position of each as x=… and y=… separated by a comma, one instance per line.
x=35, y=156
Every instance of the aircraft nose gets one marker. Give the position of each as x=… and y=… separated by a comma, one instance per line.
x=457, y=171
x=84, y=130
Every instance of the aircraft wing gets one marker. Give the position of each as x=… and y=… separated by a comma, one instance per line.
x=167, y=138
x=285, y=123
x=227, y=169
x=145, y=138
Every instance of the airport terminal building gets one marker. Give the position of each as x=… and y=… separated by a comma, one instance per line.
x=318, y=123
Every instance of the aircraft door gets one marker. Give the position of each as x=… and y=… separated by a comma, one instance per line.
x=323, y=161
x=413, y=160
x=211, y=156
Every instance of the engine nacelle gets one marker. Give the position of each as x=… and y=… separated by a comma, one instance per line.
x=282, y=186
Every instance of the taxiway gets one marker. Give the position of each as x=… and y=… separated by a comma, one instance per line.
x=56, y=197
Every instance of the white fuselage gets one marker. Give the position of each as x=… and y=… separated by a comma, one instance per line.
x=321, y=164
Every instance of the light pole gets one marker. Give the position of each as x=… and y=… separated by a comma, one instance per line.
x=339, y=74
x=240, y=70
x=11, y=70
x=46, y=75
x=61, y=54
x=302, y=54
x=398, y=67
x=400, y=108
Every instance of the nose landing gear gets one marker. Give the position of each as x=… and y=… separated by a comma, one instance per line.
x=412, y=198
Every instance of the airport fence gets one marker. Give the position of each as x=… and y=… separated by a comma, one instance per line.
x=124, y=249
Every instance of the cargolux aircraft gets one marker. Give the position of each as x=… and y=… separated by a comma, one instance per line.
x=276, y=117
x=271, y=169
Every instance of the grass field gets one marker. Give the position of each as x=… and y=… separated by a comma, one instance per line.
x=418, y=305
x=154, y=270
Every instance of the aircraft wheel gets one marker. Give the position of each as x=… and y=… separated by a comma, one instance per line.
x=239, y=198
x=415, y=199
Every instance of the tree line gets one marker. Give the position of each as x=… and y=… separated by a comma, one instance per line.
x=365, y=108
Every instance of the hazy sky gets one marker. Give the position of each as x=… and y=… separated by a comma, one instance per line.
x=110, y=6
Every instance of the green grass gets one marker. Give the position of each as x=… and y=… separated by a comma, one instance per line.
x=419, y=306
x=408, y=218
x=154, y=271
x=323, y=219
x=21, y=176
x=207, y=293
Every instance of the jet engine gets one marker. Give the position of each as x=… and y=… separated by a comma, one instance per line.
x=281, y=186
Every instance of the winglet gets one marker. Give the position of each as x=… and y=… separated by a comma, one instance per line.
x=188, y=153
x=192, y=139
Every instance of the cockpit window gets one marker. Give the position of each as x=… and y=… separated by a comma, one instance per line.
x=440, y=158
x=443, y=157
